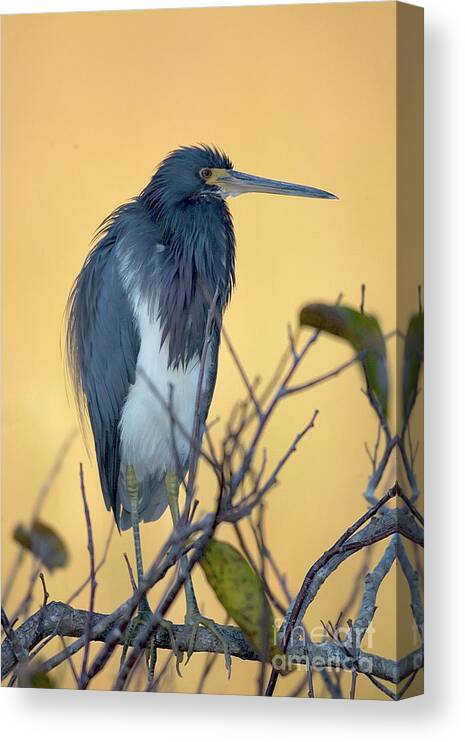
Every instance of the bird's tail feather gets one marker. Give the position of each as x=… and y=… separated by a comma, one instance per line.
x=152, y=502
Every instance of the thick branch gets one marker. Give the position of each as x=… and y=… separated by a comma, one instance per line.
x=72, y=622
x=355, y=538
x=380, y=527
x=373, y=581
x=413, y=580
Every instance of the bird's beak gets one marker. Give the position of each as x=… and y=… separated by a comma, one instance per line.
x=233, y=183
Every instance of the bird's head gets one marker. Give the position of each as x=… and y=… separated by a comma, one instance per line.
x=203, y=171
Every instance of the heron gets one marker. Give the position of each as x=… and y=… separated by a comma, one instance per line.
x=137, y=322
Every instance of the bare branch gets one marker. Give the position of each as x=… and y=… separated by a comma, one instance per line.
x=413, y=580
x=41, y=495
x=44, y=588
x=93, y=582
x=389, y=523
x=73, y=623
x=324, y=377
x=373, y=581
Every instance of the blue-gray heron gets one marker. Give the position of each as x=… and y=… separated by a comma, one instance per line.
x=138, y=315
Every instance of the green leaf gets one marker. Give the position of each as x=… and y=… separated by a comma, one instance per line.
x=31, y=675
x=413, y=361
x=44, y=542
x=363, y=333
x=240, y=590
x=41, y=680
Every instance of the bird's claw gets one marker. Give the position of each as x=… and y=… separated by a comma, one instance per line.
x=195, y=619
x=168, y=626
x=136, y=626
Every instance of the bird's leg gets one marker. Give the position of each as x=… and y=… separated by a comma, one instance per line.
x=193, y=616
x=172, y=491
x=144, y=613
x=132, y=488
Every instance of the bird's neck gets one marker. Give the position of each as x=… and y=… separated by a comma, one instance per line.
x=197, y=266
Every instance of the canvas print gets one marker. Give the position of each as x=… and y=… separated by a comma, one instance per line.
x=213, y=351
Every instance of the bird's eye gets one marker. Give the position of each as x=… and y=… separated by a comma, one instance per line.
x=205, y=173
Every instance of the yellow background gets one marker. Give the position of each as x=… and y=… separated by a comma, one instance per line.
x=92, y=102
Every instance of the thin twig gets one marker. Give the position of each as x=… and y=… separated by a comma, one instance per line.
x=314, y=569
x=362, y=298
x=41, y=496
x=353, y=637
x=264, y=611
x=70, y=662
x=93, y=582
x=131, y=573
x=44, y=588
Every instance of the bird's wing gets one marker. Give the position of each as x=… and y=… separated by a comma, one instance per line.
x=211, y=371
x=103, y=345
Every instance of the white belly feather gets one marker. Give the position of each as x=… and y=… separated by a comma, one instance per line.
x=146, y=428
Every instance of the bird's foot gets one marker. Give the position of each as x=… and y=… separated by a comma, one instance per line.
x=195, y=619
x=138, y=623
